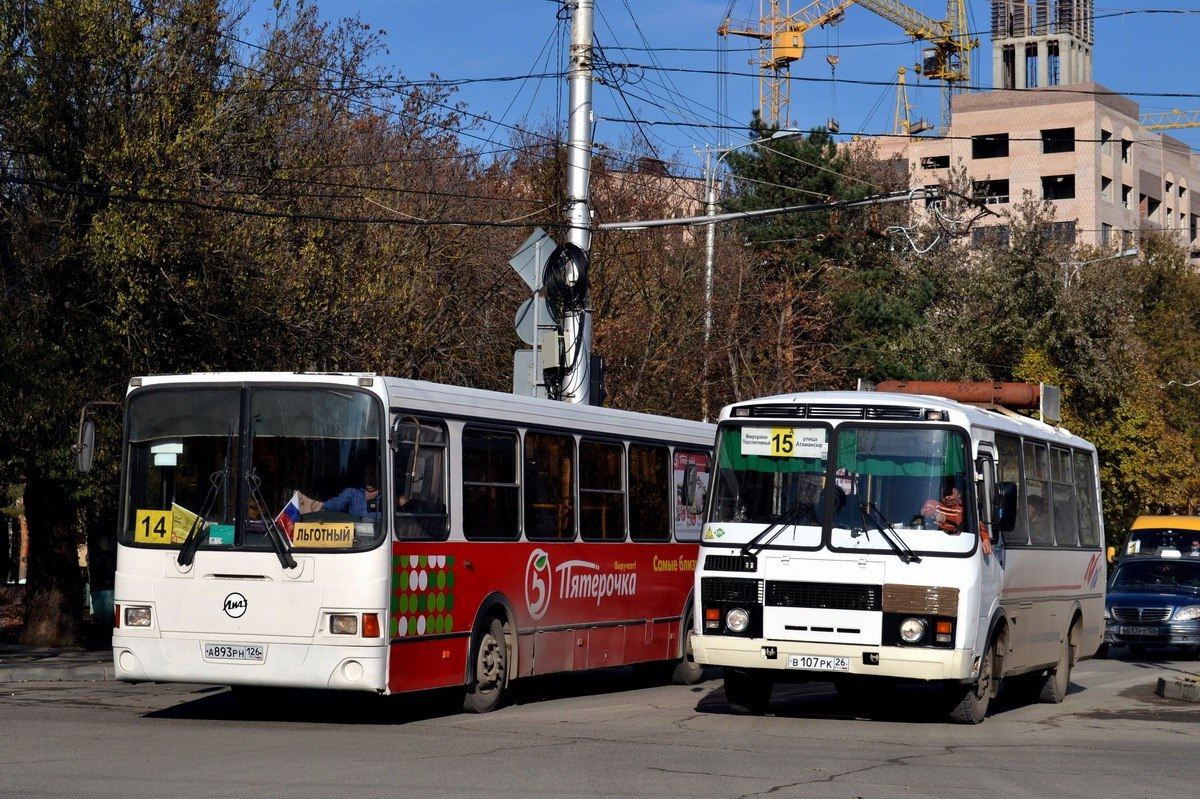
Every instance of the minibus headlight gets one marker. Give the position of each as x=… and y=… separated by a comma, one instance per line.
x=1190, y=613
x=912, y=630
x=737, y=620
x=343, y=623
x=1107, y=613
x=137, y=616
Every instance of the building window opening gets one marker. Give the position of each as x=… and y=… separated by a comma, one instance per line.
x=1106, y=141
x=991, y=191
x=1058, y=140
x=991, y=146
x=1127, y=197
x=935, y=162
x=1106, y=189
x=1106, y=231
x=1031, y=66
x=1053, y=64
x=1010, y=67
x=1058, y=187
x=1126, y=151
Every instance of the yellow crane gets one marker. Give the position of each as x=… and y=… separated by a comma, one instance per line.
x=1171, y=120
x=781, y=37
x=903, y=123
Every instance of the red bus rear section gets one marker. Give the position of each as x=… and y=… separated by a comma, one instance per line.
x=575, y=606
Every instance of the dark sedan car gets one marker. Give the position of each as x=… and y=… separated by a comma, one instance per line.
x=1154, y=601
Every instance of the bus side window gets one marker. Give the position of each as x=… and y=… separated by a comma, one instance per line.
x=1008, y=470
x=601, y=491
x=1085, y=498
x=649, y=493
x=491, y=494
x=1037, y=499
x=420, y=480
x=549, y=487
x=1062, y=492
x=691, y=478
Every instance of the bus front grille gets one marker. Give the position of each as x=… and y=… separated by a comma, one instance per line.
x=728, y=589
x=730, y=563
x=829, y=596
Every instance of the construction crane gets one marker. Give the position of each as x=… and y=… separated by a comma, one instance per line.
x=904, y=124
x=1171, y=120
x=781, y=37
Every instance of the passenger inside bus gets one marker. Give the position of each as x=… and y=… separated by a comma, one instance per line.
x=1039, y=521
x=361, y=502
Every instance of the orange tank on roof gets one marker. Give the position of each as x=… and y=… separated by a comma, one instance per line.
x=1009, y=395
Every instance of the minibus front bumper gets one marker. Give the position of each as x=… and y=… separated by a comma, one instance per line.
x=913, y=663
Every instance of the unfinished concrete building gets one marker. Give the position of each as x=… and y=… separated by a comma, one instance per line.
x=1048, y=130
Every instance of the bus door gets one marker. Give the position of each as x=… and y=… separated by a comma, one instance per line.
x=991, y=578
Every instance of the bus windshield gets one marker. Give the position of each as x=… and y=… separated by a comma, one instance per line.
x=915, y=478
x=772, y=475
x=312, y=467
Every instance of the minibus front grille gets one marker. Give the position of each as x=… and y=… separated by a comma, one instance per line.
x=730, y=563
x=728, y=589
x=828, y=596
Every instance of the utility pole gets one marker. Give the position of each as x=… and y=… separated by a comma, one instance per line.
x=577, y=325
x=710, y=241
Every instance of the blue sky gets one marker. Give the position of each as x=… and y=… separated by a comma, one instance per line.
x=491, y=38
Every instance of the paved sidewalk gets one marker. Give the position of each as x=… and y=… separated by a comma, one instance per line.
x=39, y=664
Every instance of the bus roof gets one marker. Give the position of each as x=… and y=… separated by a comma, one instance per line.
x=470, y=403
x=968, y=415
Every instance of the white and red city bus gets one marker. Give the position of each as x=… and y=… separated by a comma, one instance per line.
x=358, y=532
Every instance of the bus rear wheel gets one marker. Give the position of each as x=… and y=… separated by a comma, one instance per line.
x=747, y=692
x=487, y=690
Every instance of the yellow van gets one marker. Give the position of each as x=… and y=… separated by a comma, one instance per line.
x=1151, y=534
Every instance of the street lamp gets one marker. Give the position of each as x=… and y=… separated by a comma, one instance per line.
x=710, y=183
x=1072, y=268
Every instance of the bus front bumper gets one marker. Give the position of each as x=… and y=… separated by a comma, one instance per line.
x=913, y=663
x=287, y=665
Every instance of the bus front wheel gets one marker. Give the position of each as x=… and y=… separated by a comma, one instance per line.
x=747, y=692
x=486, y=691
x=969, y=703
x=687, y=671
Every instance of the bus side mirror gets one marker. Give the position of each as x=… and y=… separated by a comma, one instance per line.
x=691, y=475
x=1112, y=554
x=85, y=446
x=1004, y=507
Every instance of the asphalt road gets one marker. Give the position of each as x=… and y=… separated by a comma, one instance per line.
x=612, y=733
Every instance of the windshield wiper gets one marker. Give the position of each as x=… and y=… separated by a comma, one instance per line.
x=888, y=532
x=279, y=541
x=782, y=520
x=187, y=552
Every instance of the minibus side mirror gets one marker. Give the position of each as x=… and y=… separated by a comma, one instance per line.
x=85, y=446
x=1004, y=507
x=691, y=474
x=1112, y=554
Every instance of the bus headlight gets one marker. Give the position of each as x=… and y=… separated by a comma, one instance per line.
x=1190, y=613
x=1107, y=613
x=737, y=620
x=137, y=616
x=343, y=623
x=912, y=630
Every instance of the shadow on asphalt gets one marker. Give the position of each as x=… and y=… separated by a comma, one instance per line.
x=339, y=707
x=911, y=703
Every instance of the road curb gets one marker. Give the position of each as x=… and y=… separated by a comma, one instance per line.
x=92, y=673
x=1186, y=688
